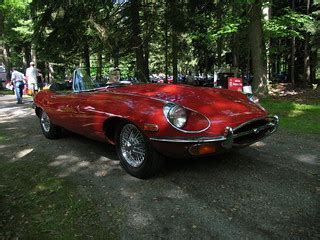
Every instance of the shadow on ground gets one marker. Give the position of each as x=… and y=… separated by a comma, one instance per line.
x=269, y=190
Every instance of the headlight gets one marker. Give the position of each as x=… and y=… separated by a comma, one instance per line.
x=175, y=114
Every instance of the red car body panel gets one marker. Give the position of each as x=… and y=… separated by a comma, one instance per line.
x=211, y=110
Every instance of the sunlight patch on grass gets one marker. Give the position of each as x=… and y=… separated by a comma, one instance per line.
x=302, y=118
x=295, y=113
x=51, y=186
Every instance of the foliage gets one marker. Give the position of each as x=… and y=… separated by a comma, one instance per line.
x=290, y=24
x=199, y=33
x=17, y=28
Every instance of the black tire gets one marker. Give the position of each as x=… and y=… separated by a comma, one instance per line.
x=48, y=129
x=137, y=156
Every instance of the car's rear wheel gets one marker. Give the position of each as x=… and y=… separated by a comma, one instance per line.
x=136, y=154
x=49, y=130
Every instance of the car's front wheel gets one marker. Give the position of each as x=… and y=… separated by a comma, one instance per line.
x=136, y=154
x=48, y=129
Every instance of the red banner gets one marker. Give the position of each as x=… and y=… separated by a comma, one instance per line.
x=235, y=84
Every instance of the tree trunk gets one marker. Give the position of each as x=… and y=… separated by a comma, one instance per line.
x=307, y=50
x=149, y=26
x=174, y=39
x=174, y=57
x=33, y=54
x=166, y=44
x=257, y=49
x=99, y=69
x=115, y=57
x=313, y=63
x=267, y=15
x=219, y=41
x=293, y=54
x=27, y=55
x=2, y=48
x=306, y=62
x=86, y=56
x=141, y=73
x=235, y=42
x=6, y=60
x=299, y=80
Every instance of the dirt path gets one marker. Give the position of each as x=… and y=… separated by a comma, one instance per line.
x=269, y=190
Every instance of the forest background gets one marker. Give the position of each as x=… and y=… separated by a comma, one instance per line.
x=273, y=41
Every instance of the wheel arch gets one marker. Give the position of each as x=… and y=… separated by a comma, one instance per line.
x=110, y=126
x=38, y=111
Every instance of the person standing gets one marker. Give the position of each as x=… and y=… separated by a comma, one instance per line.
x=31, y=75
x=18, y=84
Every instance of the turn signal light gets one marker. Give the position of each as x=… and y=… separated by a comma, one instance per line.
x=202, y=149
x=150, y=127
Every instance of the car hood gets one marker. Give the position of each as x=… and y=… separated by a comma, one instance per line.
x=207, y=101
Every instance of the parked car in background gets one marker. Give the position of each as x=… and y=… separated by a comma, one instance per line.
x=148, y=122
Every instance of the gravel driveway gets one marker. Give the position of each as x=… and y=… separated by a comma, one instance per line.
x=270, y=190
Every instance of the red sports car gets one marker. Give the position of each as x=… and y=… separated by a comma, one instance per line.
x=148, y=122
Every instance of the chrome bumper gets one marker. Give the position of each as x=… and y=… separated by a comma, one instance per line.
x=230, y=134
x=228, y=139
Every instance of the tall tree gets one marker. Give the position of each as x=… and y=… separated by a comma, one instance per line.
x=257, y=48
x=141, y=70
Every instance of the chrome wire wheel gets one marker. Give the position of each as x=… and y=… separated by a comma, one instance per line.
x=45, y=122
x=132, y=145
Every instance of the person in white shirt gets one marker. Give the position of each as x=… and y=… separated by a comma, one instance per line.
x=31, y=74
x=18, y=84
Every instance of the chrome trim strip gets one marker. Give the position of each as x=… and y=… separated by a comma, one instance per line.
x=182, y=140
x=254, y=120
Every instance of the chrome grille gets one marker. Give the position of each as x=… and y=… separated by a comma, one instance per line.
x=252, y=131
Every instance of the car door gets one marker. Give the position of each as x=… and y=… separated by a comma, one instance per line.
x=61, y=108
x=87, y=116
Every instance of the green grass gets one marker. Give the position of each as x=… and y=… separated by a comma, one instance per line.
x=295, y=117
x=6, y=92
x=2, y=138
x=35, y=204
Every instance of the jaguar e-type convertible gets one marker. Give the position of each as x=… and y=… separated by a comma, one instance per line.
x=149, y=122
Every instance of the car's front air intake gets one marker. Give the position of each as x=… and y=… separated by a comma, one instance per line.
x=252, y=131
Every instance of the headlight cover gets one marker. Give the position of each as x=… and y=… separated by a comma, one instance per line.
x=175, y=114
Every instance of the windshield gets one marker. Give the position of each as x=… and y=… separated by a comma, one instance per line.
x=82, y=81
